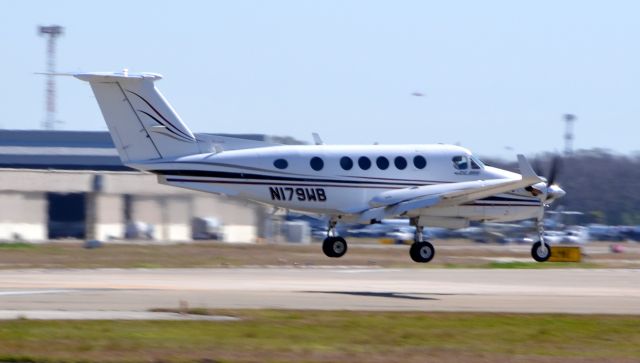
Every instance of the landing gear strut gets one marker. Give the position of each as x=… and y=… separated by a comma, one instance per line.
x=540, y=251
x=421, y=250
x=334, y=245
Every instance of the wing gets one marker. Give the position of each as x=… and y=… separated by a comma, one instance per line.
x=398, y=202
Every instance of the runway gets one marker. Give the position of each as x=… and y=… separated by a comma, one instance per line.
x=588, y=291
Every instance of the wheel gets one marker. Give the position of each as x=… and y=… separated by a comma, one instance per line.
x=540, y=252
x=422, y=251
x=334, y=246
x=327, y=245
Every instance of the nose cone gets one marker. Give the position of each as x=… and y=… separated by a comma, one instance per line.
x=556, y=192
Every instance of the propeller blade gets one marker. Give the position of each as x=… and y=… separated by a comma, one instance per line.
x=553, y=172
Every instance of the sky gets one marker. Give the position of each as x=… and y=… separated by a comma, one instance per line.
x=495, y=76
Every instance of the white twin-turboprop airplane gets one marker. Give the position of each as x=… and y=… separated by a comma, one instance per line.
x=432, y=185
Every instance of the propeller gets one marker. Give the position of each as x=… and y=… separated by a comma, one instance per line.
x=550, y=190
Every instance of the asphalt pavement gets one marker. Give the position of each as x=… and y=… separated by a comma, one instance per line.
x=604, y=291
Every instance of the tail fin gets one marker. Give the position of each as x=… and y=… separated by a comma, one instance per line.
x=142, y=124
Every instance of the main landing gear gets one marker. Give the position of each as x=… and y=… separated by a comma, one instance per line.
x=334, y=245
x=421, y=250
x=540, y=251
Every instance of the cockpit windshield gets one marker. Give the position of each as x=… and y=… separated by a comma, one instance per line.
x=463, y=162
x=476, y=163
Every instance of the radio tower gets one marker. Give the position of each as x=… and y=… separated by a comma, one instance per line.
x=52, y=32
x=569, y=119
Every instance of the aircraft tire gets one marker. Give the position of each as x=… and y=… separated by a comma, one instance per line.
x=540, y=254
x=334, y=247
x=422, y=252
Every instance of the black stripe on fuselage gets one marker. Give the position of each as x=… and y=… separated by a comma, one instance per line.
x=245, y=182
x=489, y=201
x=506, y=203
x=279, y=172
x=244, y=176
x=257, y=179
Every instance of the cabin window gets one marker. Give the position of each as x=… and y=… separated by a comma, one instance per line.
x=400, y=162
x=316, y=163
x=419, y=161
x=382, y=162
x=281, y=164
x=364, y=163
x=346, y=163
x=460, y=162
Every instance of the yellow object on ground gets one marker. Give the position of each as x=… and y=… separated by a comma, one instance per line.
x=565, y=254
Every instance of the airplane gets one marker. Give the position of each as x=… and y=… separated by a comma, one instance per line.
x=434, y=185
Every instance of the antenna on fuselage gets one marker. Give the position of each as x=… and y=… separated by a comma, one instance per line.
x=316, y=139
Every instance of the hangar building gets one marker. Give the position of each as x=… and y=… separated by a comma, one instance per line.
x=71, y=184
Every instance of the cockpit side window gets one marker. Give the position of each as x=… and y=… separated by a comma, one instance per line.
x=460, y=162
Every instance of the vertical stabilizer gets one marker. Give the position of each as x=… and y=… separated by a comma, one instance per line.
x=143, y=125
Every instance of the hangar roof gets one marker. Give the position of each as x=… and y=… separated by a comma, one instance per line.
x=65, y=150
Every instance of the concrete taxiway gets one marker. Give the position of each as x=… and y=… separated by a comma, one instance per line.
x=105, y=315
x=614, y=291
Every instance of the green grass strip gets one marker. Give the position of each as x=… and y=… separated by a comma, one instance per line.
x=328, y=336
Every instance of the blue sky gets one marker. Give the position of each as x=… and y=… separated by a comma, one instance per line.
x=497, y=76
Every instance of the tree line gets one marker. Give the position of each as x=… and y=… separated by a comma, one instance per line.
x=599, y=183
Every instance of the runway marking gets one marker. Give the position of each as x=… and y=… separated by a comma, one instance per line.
x=105, y=315
x=33, y=292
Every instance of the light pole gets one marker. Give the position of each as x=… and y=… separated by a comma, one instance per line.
x=52, y=32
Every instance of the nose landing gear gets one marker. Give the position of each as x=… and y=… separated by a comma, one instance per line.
x=540, y=251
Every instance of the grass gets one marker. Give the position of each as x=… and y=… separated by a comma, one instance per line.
x=16, y=246
x=536, y=265
x=211, y=254
x=328, y=336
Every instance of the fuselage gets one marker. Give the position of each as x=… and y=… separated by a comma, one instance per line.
x=342, y=180
x=433, y=185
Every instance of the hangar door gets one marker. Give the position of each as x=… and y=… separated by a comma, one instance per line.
x=67, y=215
